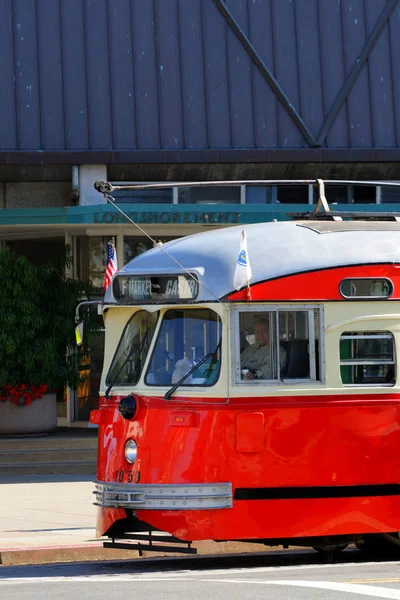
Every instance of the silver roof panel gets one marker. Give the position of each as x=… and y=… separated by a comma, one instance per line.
x=275, y=250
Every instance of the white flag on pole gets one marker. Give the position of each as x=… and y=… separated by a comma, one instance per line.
x=243, y=272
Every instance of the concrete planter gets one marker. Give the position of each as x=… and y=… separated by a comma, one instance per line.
x=40, y=417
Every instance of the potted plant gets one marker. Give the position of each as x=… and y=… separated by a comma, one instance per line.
x=37, y=351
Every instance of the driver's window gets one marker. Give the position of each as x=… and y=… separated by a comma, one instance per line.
x=187, y=337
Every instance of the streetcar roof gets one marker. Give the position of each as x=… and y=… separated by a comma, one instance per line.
x=275, y=249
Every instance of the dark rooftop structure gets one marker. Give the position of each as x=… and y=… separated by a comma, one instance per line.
x=199, y=81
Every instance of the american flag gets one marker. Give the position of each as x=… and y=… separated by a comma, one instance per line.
x=112, y=264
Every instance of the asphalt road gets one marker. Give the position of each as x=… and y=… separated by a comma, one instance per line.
x=298, y=576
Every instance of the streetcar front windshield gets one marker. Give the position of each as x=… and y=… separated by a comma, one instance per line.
x=187, y=337
x=133, y=348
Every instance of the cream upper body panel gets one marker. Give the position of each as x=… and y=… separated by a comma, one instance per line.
x=336, y=319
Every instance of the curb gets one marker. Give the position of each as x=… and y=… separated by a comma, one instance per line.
x=96, y=552
x=47, y=555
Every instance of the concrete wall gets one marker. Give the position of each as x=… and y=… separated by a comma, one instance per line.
x=34, y=195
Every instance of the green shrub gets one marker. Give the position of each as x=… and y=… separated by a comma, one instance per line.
x=37, y=338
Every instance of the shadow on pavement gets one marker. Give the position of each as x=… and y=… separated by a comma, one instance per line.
x=285, y=558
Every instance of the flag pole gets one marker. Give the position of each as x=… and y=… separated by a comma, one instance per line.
x=248, y=292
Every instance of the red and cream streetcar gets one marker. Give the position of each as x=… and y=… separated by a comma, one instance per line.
x=269, y=414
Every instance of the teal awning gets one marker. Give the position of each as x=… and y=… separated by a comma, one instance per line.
x=164, y=214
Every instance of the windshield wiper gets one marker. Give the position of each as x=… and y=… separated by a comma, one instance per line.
x=192, y=370
x=106, y=395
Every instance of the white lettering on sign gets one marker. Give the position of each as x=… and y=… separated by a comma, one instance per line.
x=140, y=288
x=181, y=288
x=172, y=288
x=193, y=287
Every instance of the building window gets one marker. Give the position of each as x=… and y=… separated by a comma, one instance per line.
x=92, y=259
x=133, y=246
x=345, y=194
x=276, y=345
x=292, y=194
x=255, y=194
x=334, y=194
x=209, y=195
x=158, y=196
x=367, y=358
x=258, y=194
x=390, y=195
x=363, y=194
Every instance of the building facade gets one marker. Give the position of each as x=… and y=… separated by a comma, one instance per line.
x=179, y=91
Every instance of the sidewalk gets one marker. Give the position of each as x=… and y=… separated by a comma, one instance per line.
x=51, y=518
x=46, y=510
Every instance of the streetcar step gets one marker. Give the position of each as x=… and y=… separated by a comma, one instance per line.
x=152, y=543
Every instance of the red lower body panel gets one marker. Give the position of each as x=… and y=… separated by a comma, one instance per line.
x=262, y=443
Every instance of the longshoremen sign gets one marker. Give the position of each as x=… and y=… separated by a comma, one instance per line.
x=211, y=218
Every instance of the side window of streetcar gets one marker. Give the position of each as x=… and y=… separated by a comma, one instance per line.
x=279, y=344
x=367, y=358
x=366, y=288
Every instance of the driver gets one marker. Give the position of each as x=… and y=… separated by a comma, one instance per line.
x=257, y=357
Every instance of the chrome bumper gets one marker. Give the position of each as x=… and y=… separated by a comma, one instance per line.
x=163, y=497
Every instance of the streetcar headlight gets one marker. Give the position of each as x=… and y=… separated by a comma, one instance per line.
x=131, y=451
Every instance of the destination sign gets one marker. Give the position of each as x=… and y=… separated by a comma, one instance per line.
x=155, y=288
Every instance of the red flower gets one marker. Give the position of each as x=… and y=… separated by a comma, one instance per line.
x=22, y=394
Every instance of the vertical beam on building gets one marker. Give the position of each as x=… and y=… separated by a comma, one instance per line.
x=120, y=249
x=310, y=193
x=71, y=401
x=75, y=257
x=70, y=394
x=88, y=174
x=68, y=242
x=3, y=195
x=378, y=194
x=350, y=194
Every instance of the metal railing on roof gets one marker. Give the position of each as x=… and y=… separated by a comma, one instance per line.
x=105, y=187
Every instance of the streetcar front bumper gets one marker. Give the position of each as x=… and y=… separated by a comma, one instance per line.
x=163, y=497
